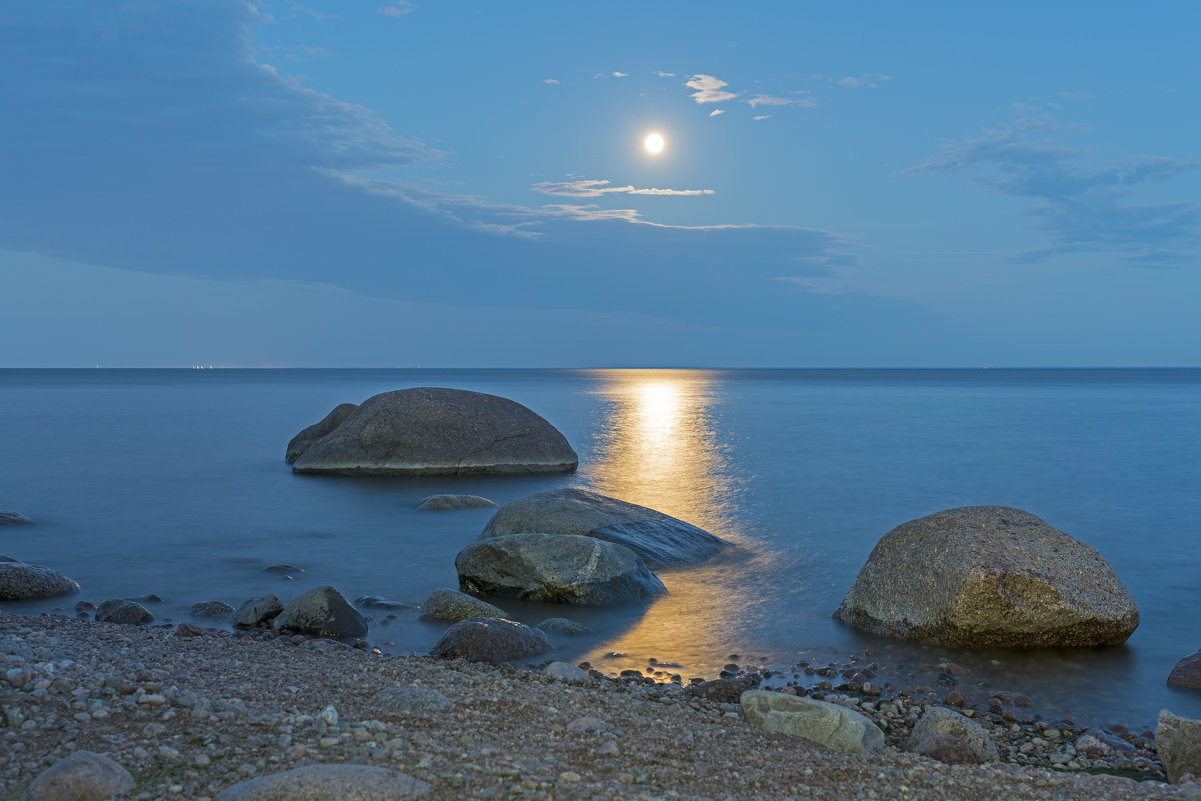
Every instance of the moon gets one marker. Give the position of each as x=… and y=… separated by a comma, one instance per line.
x=653, y=143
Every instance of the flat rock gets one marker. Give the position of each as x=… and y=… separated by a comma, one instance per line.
x=561, y=625
x=323, y=612
x=453, y=606
x=119, y=610
x=828, y=724
x=258, y=611
x=83, y=776
x=1178, y=744
x=409, y=702
x=556, y=568
x=14, y=519
x=328, y=783
x=989, y=577
x=435, y=503
x=305, y=439
x=972, y=744
x=658, y=538
x=210, y=609
x=1187, y=673
x=20, y=581
x=490, y=639
x=437, y=431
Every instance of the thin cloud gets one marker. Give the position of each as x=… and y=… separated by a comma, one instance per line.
x=709, y=89
x=552, y=81
x=595, y=188
x=663, y=74
x=768, y=100
x=716, y=112
x=398, y=8
x=763, y=117
x=621, y=74
x=865, y=81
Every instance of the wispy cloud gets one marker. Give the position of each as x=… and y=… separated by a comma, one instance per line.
x=717, y=112
x=663, y=74
x=1081, y=201
x=397, y=8
x=865, y=81
x=709, y=89
x=595, y=188
x=763, y=117
x=552, y=81
x=621, y=74
x=805, y=101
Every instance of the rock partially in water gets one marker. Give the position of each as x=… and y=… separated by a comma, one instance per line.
x=306, y=438
x=561, y=625
x=989, y=577
x=24, y=582
x=258, y=611
x=658, y=538
x=333, y=782
x=14, y=519
x=556, y=568
x=828, y=724
x=437, y=431
x=1178, y=744
x=490, y=639
x=1187, y=673
x=453, y=606
x=119, y=610
x=210, y=609
x=378, y=602
x=83, y=776
x=969, y=743
x=436, y=503
x=323, y=612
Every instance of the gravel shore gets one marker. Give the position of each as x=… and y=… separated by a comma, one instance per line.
x=191, y=715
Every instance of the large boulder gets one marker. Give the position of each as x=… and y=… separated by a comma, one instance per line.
x=1187, y=673
x=24, y=582
x=950, y=737
x=556, y=568
x=989, y=577
x=323, y=612
x=432, y=431
x=1178, y=745
x=453, y=606
x=305, y=439
x=658, y=538
x=83, y=776
x=331, y=782
x=828, y=724
x=490, y=639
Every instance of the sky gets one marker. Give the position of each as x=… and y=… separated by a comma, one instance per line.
x=463, y=184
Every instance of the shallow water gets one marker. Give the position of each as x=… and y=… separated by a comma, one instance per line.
x=173, y=482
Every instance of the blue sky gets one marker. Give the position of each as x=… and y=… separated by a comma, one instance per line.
x=464, y=184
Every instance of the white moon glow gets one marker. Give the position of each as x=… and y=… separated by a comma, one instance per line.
x=654, y=143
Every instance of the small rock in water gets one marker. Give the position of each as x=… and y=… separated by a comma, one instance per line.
x=324, y=612
x=443, y=502
x=1187, y=673
x=210, y=609
x=283, y=569
x=379, y=602
x=258, y=611
x=147, y=599
x=118, y=610
x=14, y=519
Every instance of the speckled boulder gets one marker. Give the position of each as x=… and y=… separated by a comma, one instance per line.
x=490, y=639
x=14, y=519
x=258, y=611
x=328, y=783
x=556, y=568
x=305, y=439
x=118, y=610
x=950, y=737
x=1178, y=745
x=83, y=776
x=323, y=612
x=453, y=606
x=24, y=582
x=658, y=538
x=828, y=724
x=989, y=577
x=438, y=503
x=1187, y=673
x=436, y=431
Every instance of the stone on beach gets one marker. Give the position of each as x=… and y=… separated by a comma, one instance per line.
x=828, y=724
x=972, y=744
x=25, y=582
x=436, y=503
x=258, y=611
x=490, y=639
x=324, y=612
x=14, y=519
x=436, y=431
x=556, y=568
x=210, y=609
x=566, y=672
x=83, y=776
x=658, y=538
x=989, y=577
x=409, y=702
x=1178, y=744
x=1187, y=673
x=328, y=783
x=119, y=610
x=306, y=438
x=453, y=606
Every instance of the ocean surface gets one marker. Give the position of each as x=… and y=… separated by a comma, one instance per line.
x=173, y=482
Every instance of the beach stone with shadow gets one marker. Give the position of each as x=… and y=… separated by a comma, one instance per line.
x=438, y=431
x=118, y=610
x=258, y=611
x=83, y=776
x=305, y=439
x=828, y=724
x=969, y=743
x=20, y=581
x=14, y=519
x=566, y=672
x=561, y=625
x=989, y=577
x=436, y=503
x=658, y=538
x=1178, y=745
x=409, y=702
x=490, y=639
x=1187, y=673
x=323, y=612
x=335, y=782
x=210, y=609
x=556, y=568
x=453, y=606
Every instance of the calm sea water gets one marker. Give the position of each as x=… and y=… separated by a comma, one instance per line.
x=173, y=483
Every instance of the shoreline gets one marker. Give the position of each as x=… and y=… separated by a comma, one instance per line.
x=191, y=715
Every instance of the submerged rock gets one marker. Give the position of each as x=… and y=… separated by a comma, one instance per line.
x=306, y=438
x=83, y=776
x=14, y=519
x=436, y=431
x=324, y=612
x=119, y=610
x=24, y=582
x=453, y=606
x=556, y=568
x=490, y=639
x=828, y=724
x=989, y=577
x=658, y=538
x=561, y=625
x=378, y=602
x=436, y=503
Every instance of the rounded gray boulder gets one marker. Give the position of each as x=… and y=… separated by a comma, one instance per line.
x=490, y=639
x=950, y=737
x=258, y=611
x=305, y=439
x=658, y=538
x=436, y=431
x=453, y=606
x=83, y=776
x=989, y=577
x=556, y=568
x=24, y=582
x=324, y=612
x=119, y=610
x=211, y=609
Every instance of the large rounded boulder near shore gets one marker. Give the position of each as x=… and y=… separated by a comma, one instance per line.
x=659, y=539
x=556, y=568
x=24, y=582
x=989, y=577
x=306, y=438
x=437, y=431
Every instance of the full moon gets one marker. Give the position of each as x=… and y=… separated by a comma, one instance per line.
x=653, y=143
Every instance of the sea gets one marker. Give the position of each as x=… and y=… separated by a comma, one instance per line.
x=173, y=483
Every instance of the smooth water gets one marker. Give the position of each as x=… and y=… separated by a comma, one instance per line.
x=173, y=482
